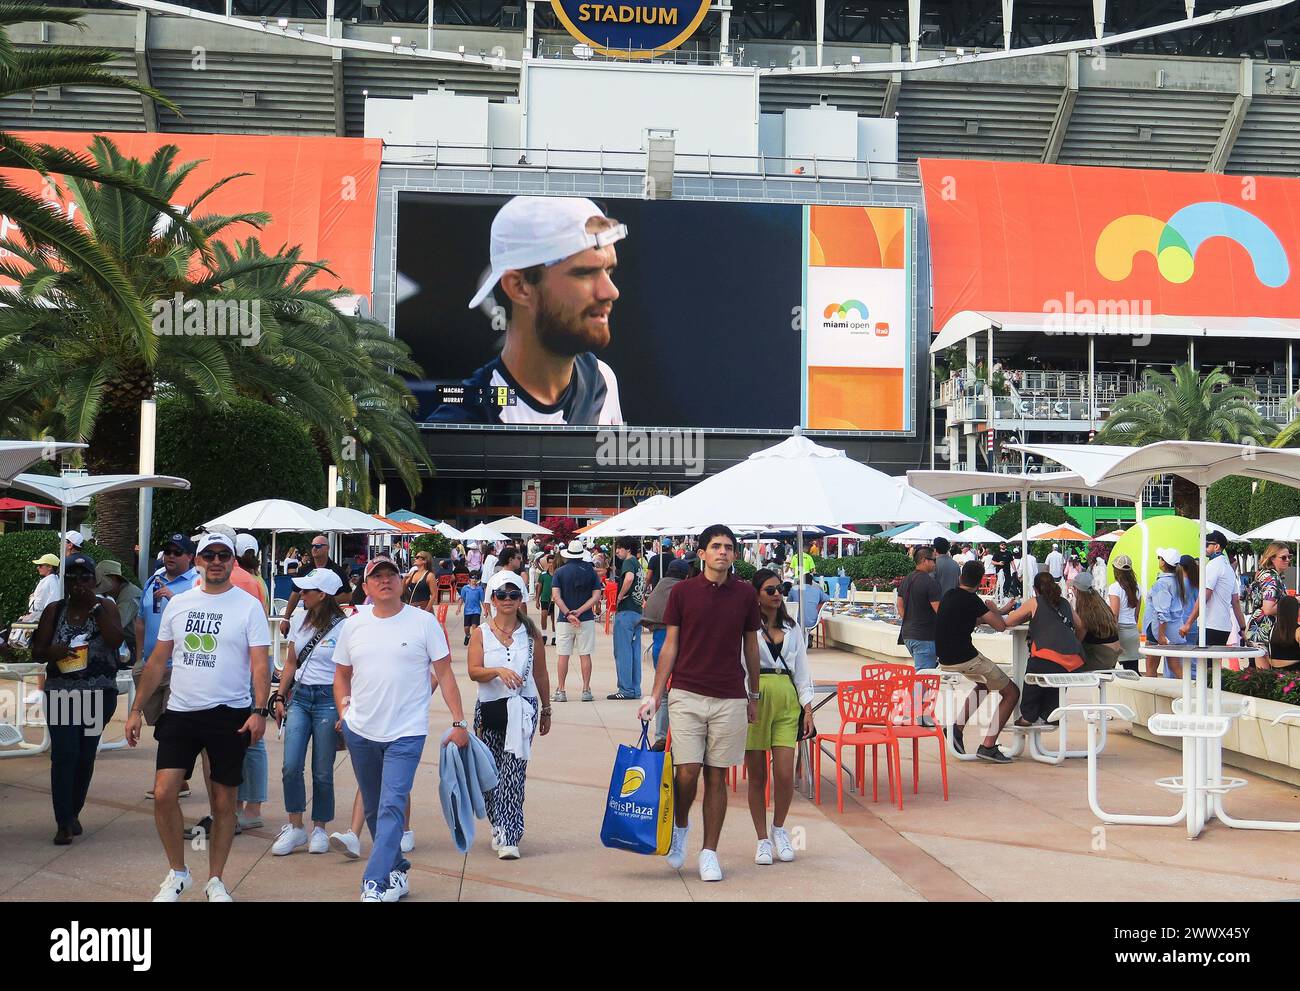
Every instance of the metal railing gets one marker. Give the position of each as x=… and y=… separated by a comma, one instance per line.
x=601, y=160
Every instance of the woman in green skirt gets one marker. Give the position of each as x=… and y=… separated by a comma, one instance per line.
x=784, y=708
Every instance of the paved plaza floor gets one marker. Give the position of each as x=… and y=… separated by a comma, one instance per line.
x=1016, y=832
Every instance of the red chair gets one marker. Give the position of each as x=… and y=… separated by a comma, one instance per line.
x=611, y=602
x=988, y=584
x=877, y=672
x=862, y=703
x=922, y=696
x=445, y=585
x=461, y=580
x=442, y=617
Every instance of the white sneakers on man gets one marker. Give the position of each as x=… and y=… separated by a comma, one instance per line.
x=175, y=883
x=216, y=891
x=290, y=839
x=398, y=887
x=710, y=869
x=677, y=850
x=320, y=842
x=370, y=891
x=408, y=841
x=346, y=844
x=784, y=848
x=764, y=855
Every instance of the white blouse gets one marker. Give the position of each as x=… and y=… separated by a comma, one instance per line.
x=795, y=655
x=515, y=657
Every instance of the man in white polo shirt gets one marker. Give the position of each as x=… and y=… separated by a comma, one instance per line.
x=1222, y=592
x=216, y=639
x=382, y=688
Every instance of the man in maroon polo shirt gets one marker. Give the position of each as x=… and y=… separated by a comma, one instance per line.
x=712, y=619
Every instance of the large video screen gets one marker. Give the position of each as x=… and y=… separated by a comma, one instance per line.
x=728, y=316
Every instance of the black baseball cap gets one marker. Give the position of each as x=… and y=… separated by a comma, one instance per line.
x=78, y=562
x=1216, y=537
x=179, y=540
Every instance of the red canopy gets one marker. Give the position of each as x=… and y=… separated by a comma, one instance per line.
x=11, y=505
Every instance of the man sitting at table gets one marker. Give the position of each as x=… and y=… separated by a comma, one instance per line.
x=960, y=611
x=812, y=596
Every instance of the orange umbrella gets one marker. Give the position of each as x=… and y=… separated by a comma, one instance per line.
x=1064, y=532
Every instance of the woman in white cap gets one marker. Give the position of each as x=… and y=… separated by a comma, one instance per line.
x=507, y=658
x=1125, y=602
x=1164, y=611
x=309, y=714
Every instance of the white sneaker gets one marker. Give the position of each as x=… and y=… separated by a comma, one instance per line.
x=677, y=851
x=171, y=888
x=370, y=891
x=398, y=887
x=508, y=853
x=763, y=857
x=320, y=842
x=408, y=841
x=710, y=869
x=784, y=848
x=346, y=844
x=216, y=891
x=496, y=839
x=290, y=839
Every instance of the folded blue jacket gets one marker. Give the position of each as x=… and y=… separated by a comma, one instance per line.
x=464, y=777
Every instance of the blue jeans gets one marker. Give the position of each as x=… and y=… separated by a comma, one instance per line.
x=661, y=715
x=385, y=773
x=923, y=654
x=256, y=765
x=310, y=719
x=627, y=651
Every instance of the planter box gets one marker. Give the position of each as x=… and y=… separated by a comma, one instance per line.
x=879, y=640
x=1251, y=742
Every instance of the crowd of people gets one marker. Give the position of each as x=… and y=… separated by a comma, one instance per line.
x=364, y=659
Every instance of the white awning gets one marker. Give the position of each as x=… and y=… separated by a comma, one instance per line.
x=969, y=322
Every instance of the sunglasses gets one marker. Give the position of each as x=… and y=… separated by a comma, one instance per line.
x=319, y=547
x=173, y=551
x=771, y=590
x=508, y=593
x=222, y=556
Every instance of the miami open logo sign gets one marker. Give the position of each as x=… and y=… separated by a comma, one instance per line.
x=636, y=29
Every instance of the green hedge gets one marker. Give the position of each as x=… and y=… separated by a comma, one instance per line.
x=1271, y=501
x=233, y=457
x=1264, y=683
x=884, y=570
x=18, y=575
x=1227, y=502
x=434, y=543
x=1007, y=519
x=745, y=570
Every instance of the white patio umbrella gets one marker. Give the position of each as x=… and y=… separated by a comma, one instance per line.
x=347, y=520
x=16, y=456
x=1110, y=538
x=483, y=531
x=1200, y=462
x=77, y=488
x=924, y=533
x=798, y=483
x=515, y=527
x=449, y=531
x=274, y=515
x=1235, y=538
x=980, y=535
x=1034, y=532
x=1287, y=529
x=632, y=522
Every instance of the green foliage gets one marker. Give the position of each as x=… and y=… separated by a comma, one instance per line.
x=1227, y=502
x=231, y=457
x=745, y=570
x=433, y=543
x=1007, y=519
x=1185, y=405
x=1271, y=501
x=18, y=575
x=1264, y=683
x=884, y=570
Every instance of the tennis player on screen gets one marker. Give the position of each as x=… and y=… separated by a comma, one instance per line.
x=554, y=259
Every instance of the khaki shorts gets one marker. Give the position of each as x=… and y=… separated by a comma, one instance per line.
x=570, y=639
x=707, y=730
x=981, y=670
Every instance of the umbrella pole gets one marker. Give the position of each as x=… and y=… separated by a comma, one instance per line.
x=62, y=556
x=798, y=533
x=1024, y=544
x=1200, y=591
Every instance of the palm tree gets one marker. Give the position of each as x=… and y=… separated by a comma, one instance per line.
x=77, y=369
x=1186, y=406
x=42, y=219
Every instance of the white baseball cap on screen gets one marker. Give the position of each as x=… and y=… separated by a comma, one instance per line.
x=542, y=230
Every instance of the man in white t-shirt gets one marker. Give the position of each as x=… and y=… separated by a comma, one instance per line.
x=1222, y=593
x=382, y=687
x=1055, y=563
x=216, y=639
x=490, y=565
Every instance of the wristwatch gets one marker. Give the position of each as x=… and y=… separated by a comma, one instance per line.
x=460, y=724
x=755, y=696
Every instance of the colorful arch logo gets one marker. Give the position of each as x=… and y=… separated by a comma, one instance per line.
x=845, y=310
x=1174, y=243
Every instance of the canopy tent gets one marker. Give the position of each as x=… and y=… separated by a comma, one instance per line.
x=409, y=516
x=924, y=533
x=15, y=505
x=405, y=528
x=513, y=526
x=797, y=483
x=70, y=490
x=16, y=456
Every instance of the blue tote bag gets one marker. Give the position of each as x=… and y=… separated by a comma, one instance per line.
x=639, y=808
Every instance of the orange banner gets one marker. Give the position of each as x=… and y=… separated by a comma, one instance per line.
x=1049, y=238
x=320, y=192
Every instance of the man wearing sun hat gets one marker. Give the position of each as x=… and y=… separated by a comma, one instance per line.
x=553, y=257
x=575, y=590
x=110, y=581
x=217, y=638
